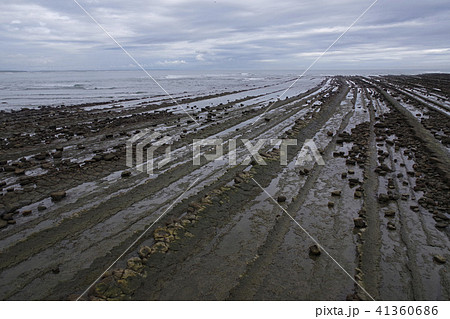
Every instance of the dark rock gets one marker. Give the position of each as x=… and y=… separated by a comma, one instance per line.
x=389, y=213
x=441, y=224
x=145, y=252
x=238, y=180
x=358, y=194
x=19, y=171
x=26, y=212
x=314, y=250
x=336, y=193
x=97, y=157
x=404, y=196
x=57, y=154
x=109, y=157
x=281, y=199
x=126, y=174
x=135, y=264
x=439, y=259
x=383, y=198
x=41, y=156
x=57, y=196
x=330, y=204
x=3, y=223
x=41, y=208
x=359, y=222
x=442, y=216
x=391, y=226
x=8, y=216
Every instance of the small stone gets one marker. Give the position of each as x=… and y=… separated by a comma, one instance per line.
x=19, y=171
x=358, y=194
x=314, y=250
x=126, y=174
x=344, y=175
x=441, y=225
x=391, y=226
x=389, y=213
x=281, y=199
x=135, y=264
x=329, y=133
x=439, y=259
x=330, y=204
x=41, y=208
x=351, y=172
x=11, y=222
x=383, y=198
x=359, y=222
x=57, y=196
x=109, y=157
x=26, y=212
x=238, y=180
x=404, y=196
x=336, y=193
x=3, y=223
x=55, y=270
x=414, y=208
x=57, y=154
x=7, y=216
x=145, y=252
x=40, y=157
x=442, y=216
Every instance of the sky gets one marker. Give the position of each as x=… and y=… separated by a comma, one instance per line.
x=216, y=35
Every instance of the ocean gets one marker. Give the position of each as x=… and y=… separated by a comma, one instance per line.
x=56, y=88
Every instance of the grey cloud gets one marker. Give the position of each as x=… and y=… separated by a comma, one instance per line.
x=56, y=34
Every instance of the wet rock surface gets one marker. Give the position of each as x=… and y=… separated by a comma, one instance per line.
x=379, y=205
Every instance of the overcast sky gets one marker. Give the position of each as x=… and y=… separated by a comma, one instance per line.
x=231, y=34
